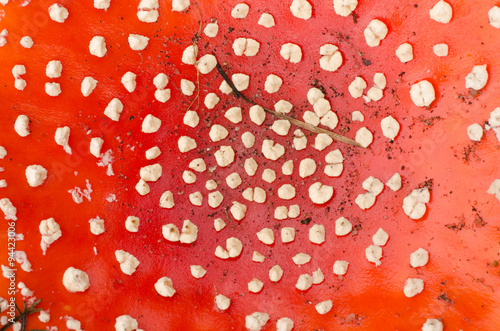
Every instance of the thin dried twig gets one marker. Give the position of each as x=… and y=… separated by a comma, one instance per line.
x=292, y=120
x=195, y=46
x=23, y=315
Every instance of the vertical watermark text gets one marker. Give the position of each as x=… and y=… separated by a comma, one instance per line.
x=10, y=272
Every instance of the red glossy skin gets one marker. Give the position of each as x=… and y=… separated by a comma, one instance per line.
x=461, y=262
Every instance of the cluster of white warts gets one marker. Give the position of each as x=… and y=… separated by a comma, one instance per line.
x=422, y=94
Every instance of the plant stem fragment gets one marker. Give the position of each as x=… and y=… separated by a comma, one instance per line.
x=292, y=120
x=23, y=315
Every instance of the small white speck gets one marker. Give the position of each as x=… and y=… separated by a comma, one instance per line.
x=111, y=197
